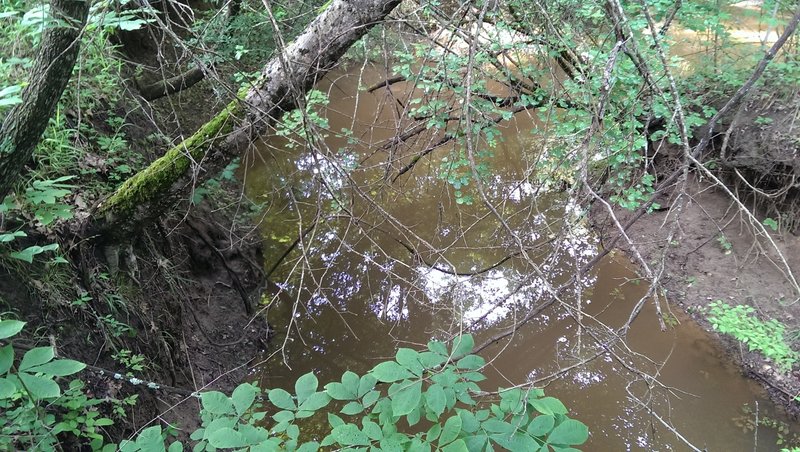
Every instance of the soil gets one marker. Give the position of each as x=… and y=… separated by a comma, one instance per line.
x=698, y=269
x=180, y=289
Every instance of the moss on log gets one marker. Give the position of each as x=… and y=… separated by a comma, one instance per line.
x=284, y=81
x=138, y=191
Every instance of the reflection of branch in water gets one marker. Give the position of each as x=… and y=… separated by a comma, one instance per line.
x=291, y=248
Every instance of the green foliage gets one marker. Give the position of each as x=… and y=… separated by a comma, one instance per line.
x=43, y=199
x=771, y=223
x=295, y=124
x=133, y=362
x=125, y=15
x=724, y=244
x=35, y=414
x=214, y=185
x=9, y=95
x=384, y=409
x=765, y=337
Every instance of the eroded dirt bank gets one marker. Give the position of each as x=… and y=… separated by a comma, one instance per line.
x=701, y=267
x=176, y=300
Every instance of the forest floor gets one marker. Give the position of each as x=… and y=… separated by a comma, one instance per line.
x=700, y=268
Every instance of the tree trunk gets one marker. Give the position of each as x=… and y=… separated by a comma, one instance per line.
x=23, y=127
x=285, y=79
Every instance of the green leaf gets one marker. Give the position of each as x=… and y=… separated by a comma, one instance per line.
x=549, y=405
x=430, y=360
x=334, y=420
x=497, y=426
x=469, y=423
x=11, y=236
x=456, y=446
x=365, y=384
x=477, y=442
x=435, y=399
x=417, y=445
x=350, y=435
x=59, y=367
x=433, y=433
x=370, y=398
x=9, y=328
x=36, y=356
x=226, y=437
x=471, y=362
x=463, y=345
x=517, y=441
x=350, y=381
x=40, y=387
x=451, y=429
x=150, y=439
x=28, y=253
x=176, y=446
x=243, y=397
x=541, y=425
x=352, y=408
x=372, y=430
x=338, y=391
x=771, y=223
x=305, y=386
x=438, y=348
x=312, y=446
x=7, y=388
x=569, y=432
x=216, y=402
x=390, y=371
x=406, y=399
x=315, y=401
x=281, y=399
x=6, y=358
x=283, y=416
x=409, y=359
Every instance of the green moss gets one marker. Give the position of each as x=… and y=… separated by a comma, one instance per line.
x=153, y=181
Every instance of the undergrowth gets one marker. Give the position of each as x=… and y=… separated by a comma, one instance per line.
x=421, y=400
x=766, y=337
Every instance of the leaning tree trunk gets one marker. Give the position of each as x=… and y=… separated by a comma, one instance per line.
x=23, y=127
x=284, y=80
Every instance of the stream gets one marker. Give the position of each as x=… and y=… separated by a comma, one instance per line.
x=396, y=264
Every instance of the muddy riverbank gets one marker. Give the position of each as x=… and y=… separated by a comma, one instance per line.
x=710, y=252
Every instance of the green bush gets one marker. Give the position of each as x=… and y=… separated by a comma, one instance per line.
x=34, y=412
x=420, y=401
x=765, y=337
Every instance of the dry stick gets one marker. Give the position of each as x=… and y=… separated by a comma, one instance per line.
x=291, y=248
x=386, y=83
x=450, y=137
x=669, y=19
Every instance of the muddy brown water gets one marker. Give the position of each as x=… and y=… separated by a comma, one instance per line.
x=361, y=293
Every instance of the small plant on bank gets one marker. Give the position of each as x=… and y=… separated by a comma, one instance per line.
x=724, y=244
x=765, y=337
x=42, y=202
x=35, y=414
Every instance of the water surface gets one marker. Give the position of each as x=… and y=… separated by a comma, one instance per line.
x=396, y=264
